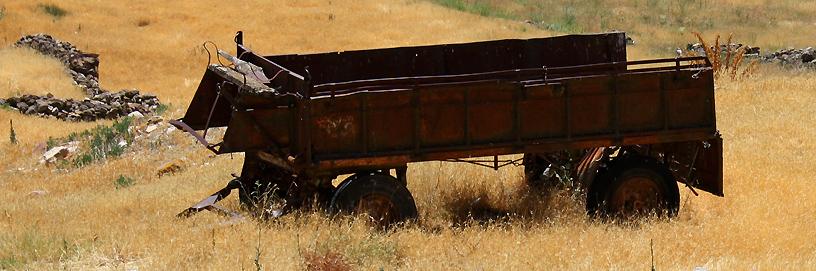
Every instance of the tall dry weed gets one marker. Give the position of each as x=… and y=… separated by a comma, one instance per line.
x=728, y=63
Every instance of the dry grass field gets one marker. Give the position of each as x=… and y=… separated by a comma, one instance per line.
x=87, y=221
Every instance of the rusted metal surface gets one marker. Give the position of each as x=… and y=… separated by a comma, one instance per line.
x=346, y=112
x=451, y=59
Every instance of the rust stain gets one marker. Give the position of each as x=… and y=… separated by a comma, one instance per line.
x=337, y=126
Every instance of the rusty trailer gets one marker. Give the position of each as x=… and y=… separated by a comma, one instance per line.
x=569, y=107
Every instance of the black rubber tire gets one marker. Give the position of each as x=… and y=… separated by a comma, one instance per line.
x=610, y=179
x=348, y=194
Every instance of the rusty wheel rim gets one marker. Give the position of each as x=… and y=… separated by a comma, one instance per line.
x=636, y=196
x=378, y=208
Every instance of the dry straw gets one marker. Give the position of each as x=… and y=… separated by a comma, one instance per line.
x=732, y=62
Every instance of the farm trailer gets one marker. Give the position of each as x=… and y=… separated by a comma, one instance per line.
x=570, y=107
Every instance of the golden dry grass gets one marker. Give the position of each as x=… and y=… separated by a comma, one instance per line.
x=84, y=222
x=165, y=56
x=24, y=71
x=659, y=26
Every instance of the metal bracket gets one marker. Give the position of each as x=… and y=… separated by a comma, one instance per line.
x=183, y=126
x=209, y=202
x=495, y=164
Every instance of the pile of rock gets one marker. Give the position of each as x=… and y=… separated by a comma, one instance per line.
x=106, y=105
x=797, y=58
x=83, y=67
x=699, y=50
x=793, y=58
x=84, y=70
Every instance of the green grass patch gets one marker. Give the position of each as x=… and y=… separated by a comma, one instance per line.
x=9, y=263
x=2, y=15
x=53, y=10
x=99, y=143
x=671, y=20
x=123, y=182
x=567, y=23
x=476, y=7
x=22, y=248
x=162, y=108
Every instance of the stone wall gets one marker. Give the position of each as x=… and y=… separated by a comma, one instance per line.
x=84, y=70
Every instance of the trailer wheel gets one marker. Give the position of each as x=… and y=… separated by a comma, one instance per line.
x=381, y=197
x=633, y=187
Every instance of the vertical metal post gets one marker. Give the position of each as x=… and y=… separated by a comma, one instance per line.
x=239, y=40
x=417, y=117
x=467, y=117
x=495, y=162
x=306, y=118
x=364, y=121
x=664, y=104
x=517, y=92
x=615, y=104
x=567, y=117
x=402, y=174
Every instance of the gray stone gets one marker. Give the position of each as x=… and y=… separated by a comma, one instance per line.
x=808, y=56
x=37, y=193
x=22, y=106
x=136, y=115
x=42, y=106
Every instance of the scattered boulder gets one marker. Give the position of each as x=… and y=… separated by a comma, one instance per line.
x=37, y=193
x=136, y=115
x=795, y=58
x=699, y=50
x=107, y=105
x=790, y=57
x=59, y=153
x=150, y=128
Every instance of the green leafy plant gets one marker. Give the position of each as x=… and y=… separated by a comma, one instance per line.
x=123, y=181
x=162, y=108
x=100, y=142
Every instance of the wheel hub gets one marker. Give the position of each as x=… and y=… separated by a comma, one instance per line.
x=636, y=196
x=377, y=207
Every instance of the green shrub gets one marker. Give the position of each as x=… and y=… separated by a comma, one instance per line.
x=162, y=108
x=98, y=143
x=123, y=182
x=53, y=10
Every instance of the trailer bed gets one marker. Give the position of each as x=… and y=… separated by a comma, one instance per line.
x=352, y=114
